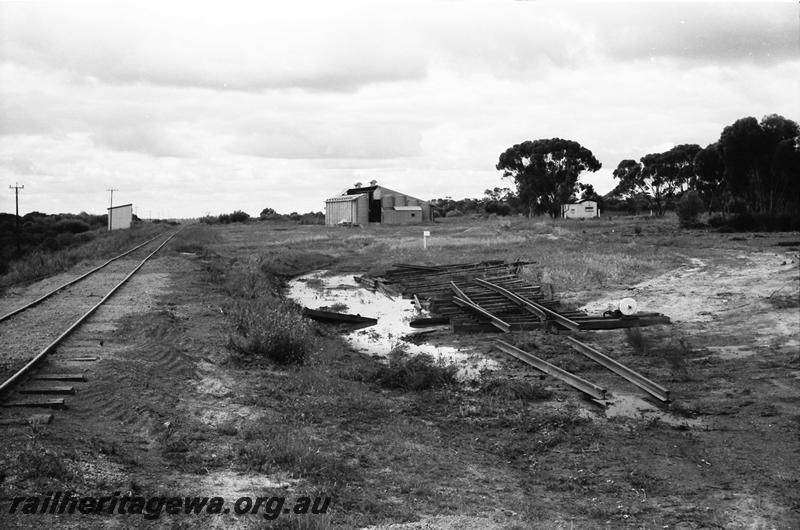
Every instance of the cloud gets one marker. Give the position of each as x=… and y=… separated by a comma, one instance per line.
x=233, y=46
x=694, y=33
x=344, y=46
x=331, y=140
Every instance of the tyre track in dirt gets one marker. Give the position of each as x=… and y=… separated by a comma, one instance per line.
x=160, y=367
x=26, y=334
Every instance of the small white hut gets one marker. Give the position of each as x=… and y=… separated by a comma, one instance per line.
x=120, y=217
x=580, y=210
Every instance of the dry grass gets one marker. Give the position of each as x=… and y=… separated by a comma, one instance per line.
x=264, y=328
x=414, y=372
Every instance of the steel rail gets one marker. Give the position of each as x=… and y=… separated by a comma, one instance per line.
x=573, y=380
x=463, y=300
x=8, y=383
x=79, y=278
x=620, y=369
x=517, y=299
x=552, y=315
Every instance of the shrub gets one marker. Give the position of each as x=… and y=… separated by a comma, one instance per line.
x=689, y=208
x=636, y=340
x=271, y=329
x=762, y=222
x=415, y=372
x=268, y=214
x=454, y=213
x=239, y=217
x=40, y=465
x=515, y=389
x=717, y=221
x=73, y=226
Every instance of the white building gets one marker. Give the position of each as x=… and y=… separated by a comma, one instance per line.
x=580, y=210
x=120, y=216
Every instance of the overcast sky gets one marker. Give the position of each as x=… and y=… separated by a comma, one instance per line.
x=194, y=108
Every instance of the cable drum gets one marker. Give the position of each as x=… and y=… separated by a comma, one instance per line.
x=627, y=306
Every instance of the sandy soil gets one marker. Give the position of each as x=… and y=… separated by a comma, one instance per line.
x=713, y=300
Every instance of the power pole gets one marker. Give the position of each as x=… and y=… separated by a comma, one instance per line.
x=111, y=206
x=16, y=187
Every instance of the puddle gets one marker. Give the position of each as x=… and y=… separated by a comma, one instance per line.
x=631, y=406
x=342, y=294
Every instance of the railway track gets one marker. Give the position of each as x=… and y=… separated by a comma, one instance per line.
x=32, y=332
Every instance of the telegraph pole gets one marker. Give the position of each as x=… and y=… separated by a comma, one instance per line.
x=110, y=206
x=16, y=187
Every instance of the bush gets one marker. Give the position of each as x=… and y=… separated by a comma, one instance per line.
x=239, y=217
x=72, y=226
x=515, y=389
x=454, y=213
x=762, y=222
x=270, y=329
x=689, y=208
x=416, y=372
x=717, y=221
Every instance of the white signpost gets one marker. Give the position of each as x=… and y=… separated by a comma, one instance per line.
x=425, y=235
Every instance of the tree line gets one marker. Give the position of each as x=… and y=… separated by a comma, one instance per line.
x=267, y=214
x=753, y=169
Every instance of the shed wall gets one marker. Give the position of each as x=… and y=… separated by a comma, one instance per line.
x=337, y=212
x=404, y=217
x=355, y=211
x=120, y=217
x=362, y=210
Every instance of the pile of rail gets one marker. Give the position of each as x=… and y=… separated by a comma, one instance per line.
x=491, y=296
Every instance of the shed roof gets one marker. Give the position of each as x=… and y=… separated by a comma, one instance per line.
x=367, y=189
x=345, y=198
x=409, y=208
x=120, y=206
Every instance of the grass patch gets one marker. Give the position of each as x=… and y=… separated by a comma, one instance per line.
x=515, y=389
x=671, y=350
x=196, y=239
x=636, y=340
x=41, y=466
x=269, y=448
x=414, y=372
x=270, y=329
x=338, y=307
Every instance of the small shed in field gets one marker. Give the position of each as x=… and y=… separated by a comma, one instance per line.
x=580, y=210
x=120, y=217
x=402, y=215
x=376, y=204
x=347, y=209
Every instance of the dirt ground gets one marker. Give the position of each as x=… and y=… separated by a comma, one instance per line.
x=168, y=409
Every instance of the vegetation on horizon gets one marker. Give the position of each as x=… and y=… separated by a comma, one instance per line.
x=748, y=180
x=50, y=244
